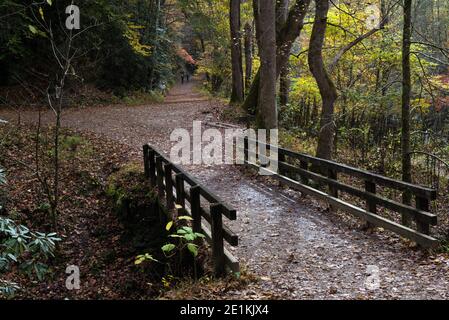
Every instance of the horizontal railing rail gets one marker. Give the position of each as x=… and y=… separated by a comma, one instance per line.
x=421, y=191
x=183, y=193
x=297, y=170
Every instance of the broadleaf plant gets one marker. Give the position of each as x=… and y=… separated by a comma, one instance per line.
x=19, y=246
x=185, y=236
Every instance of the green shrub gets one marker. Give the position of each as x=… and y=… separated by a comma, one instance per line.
x=69, y=146
x=21, y=247
x=27, y=249
x=129, y=186
x=142, y=97
x=182, y=240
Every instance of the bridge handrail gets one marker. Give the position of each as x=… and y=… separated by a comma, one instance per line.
x=325, y=172
x=171, y=182
x=417, y=190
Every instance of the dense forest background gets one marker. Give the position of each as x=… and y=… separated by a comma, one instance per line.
x=119, y=48
x=143, y=45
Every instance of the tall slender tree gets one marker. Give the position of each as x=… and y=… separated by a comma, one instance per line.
x=284, y=79
x=406, y=94
x=265, y=12
x=237, y=94
x=326, y=86
x=156, y=8
x=284, y=42
x=248, y=55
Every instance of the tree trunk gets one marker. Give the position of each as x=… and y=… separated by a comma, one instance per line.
x=236, y=52
x=281, y=14
x=248, y=55
x=284, y=83
x=406, y=95
x=284, y=42
x=266, y=38
x=155, y=44
x=327, y=88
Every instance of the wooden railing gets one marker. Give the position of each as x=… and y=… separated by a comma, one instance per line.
x=295, y=170
x=183, y=193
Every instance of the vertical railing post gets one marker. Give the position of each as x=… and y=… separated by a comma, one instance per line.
x=152, y=166
x=246, y=150
x=217, y=239
x=370, y=204
x=332, y=174
x=180, y=200
x=281, y=158
x=146, y=164
x=195, y=209
x=333, y=191
x=305, y=166
x=195, y=206
x=160, y=177
x=423, y=205
x=169, y=186
x=406, y=199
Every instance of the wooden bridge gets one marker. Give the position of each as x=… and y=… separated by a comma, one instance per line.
x=183, y=193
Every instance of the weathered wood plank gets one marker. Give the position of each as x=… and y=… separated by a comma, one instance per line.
x=420, y=238
x=422, y=225
x=217, y=239
x=228, y=211
x=372, y=198
x=152, y=166
x=146, y=164
x=421, y=191
x=180, y=199
x=169, y=186
x=228, y=234
x=370, y=204
x=305, y=166
x=377, y=199
x=333, y=191
x=160, y=177
x=195, y=207
x=231, y=262
x=282, y=159
x=231, y=238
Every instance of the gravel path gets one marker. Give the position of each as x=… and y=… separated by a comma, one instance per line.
x=298, y=250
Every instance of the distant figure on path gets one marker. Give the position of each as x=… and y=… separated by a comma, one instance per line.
x=182, y=76
x=187, y=65
x=163, y=88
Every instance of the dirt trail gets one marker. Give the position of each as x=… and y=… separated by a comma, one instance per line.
x=298, y=250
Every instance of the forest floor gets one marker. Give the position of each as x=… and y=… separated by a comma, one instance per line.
x=293, y=244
